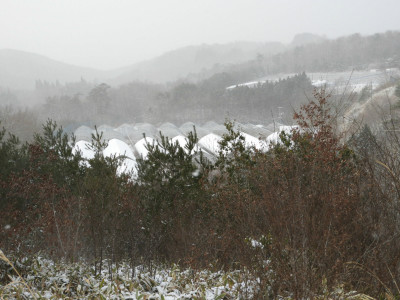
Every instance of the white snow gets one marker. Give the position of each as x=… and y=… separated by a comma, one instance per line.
x=115, y=148
x=251, y=141
x=119, y=148
x=274, y=138
x=182, y=141
x=210, y=142
x=319, y=83
x=86, y=152
x=140, y=146
x=163, y=283
x=250, y=84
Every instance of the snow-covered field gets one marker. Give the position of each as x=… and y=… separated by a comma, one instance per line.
x=339, y=82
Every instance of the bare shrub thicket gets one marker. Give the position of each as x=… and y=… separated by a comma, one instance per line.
x=312, y=213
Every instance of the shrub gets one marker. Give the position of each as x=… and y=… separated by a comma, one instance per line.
x=171, y=195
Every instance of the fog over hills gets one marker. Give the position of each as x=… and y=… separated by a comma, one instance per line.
x=302, y=39
x=192, y=59
x=307, y=52
x=20, y=70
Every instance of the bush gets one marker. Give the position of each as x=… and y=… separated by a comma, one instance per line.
x=313, y=212
x=171, y=195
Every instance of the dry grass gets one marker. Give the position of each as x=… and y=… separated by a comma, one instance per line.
x=13, y=281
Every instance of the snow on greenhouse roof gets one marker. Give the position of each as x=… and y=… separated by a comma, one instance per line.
x=104, y=127
x=169, y=130
x=210, y=143
x=140, y=146
x=84, y=148
x=182, y=141
x=83, y=133
x=119, y=148
x=256, y=131
x=110, y=134
x=147, y=129
x=125, y=128
x=215, y=128
x=188, y=127
x=251, y=141
x=274, y=138
x=128, y=138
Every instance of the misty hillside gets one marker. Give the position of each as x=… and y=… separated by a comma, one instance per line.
x=20, y=70
x=380, y=50
x=179, y=63
x=242, y=60
x=302, y=39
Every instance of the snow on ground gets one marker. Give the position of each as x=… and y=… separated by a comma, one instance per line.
x=249, y=84
x=49, y=280
x=319, y=83
x=373, y=108
x=349, y=81
x=46, y=279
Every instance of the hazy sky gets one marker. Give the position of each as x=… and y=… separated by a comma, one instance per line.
x=114, y=33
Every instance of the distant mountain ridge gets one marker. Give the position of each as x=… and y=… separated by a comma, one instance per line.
x=181, y=62
x=246, y=60
x=20, y=70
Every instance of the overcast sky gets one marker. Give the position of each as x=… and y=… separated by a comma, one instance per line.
x=114, y=33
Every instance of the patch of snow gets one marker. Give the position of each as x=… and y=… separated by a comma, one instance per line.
x=319, y=83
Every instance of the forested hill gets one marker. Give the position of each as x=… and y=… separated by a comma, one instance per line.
x=20, y=69
x=381, y=50
x=242, y=60
x=181, y=62
x=354, y=51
